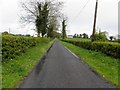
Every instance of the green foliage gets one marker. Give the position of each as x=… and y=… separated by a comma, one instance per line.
x=75, y=36
x=42, y=19
x=42, y=13
x=63, y=29
x=5, y=33
x=118, y=40
x=111, y=49
x=50, y=32
x=13, y=46
x=14, y=71
x=57, y=35
x=99, y=37
x=83, y=44
x=108, y=48
x=111, y=38
x=78, y=39
x=85, y=35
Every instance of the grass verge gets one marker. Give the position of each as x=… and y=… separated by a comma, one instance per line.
x=14, y=71
x=104, y=65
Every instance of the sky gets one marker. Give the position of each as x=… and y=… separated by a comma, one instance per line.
x=80, y=16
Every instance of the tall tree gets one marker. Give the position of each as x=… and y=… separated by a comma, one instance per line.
x=64, y=29
x=39, y=20
x=41, y=12
x=45, y=13
x=52, y=26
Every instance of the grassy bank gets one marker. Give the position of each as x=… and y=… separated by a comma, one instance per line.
x=16, y=69
x=106, y=66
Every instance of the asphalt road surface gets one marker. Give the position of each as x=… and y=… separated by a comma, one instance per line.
x=62, y=69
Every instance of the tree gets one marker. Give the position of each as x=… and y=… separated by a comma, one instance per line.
x=75, y=35
x=63, y=29
x=85, y=35
x=39, y=20
x=42, y=19
x=41, y=12
x=50, y=31
x=80, y=35
x=45, y=13
x=56, y=35
x=52, y=27
x=5, y=33
x=111, y=38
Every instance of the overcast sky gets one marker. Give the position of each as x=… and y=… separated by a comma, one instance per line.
x=80, y=19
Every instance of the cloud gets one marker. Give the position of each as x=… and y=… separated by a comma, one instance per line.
x=79, y=20
x=9, y=12
x=107, y=17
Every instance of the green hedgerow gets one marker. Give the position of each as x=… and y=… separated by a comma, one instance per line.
x=108, y=48
x=13, y=46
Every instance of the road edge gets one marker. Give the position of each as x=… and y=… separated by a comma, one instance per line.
x=92, y=69
x=39, y=63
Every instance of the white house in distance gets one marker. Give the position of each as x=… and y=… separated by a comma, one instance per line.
x=70, y=36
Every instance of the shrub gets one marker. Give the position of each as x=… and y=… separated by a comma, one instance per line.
x=13, y=46
x=108, y=48
x=5, y=33
x=99, y=37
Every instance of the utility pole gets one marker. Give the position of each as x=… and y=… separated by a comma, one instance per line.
x=9, y=30
x=95, y=16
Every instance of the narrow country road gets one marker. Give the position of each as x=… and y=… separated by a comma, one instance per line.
x=62, y=69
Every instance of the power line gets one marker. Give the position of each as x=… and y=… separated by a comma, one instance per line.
x=81, y=10
x=79, y=13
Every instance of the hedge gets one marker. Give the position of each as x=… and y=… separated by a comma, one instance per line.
x=13, y=46
x=111, y=49
x=108, y=48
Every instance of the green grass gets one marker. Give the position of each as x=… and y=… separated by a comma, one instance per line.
x=14, y=71
x=104, y=65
